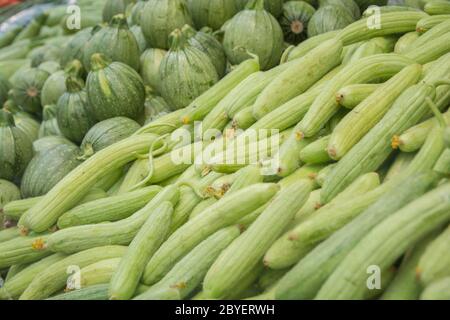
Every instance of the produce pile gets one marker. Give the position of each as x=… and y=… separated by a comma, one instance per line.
x=227, y=149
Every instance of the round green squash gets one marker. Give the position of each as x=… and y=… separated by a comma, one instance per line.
x=275, y=7
x=349, y=5
x=186, y=72
x=8, y=192
x=254, y=31
x=329, y=18
x=23, y=120
x=114, y=7
x=5, y=86
x=72, y=113
x=46, y=143
x=49, y=125
x=50, y=67
x=46, y=169
x=136, y=12
x=155, y=106
x=16, y=149
x=116, y=42
x=55, y=85
x=114, y=89
x=211, y=13
x=45, y=53
x=160, y=17
x=27, y=87
x=206, y=42
x=150, y=62
x=294, y=20
x=106, y=133
x=140, y=38
x=74, y=49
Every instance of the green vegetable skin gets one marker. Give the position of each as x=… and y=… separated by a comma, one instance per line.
x=246, y=251
x=352, y=95
x=224, y=212
x=427, y=23
x=20, y=250
x=387, y=242
x=122, y=232
x=437, y=7
x=126, y=278
x=438, y=290
x=54, y=278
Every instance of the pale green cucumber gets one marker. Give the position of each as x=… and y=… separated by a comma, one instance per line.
x=15, y=286
x=316, y=152
x=435, y=7
x=309, y=208
x=314, y=65
x=429, y=22
x=308, y=171
x=109, y=209
x=298, y=241
x=386, y=242
x=54, y=278
x=306, y=46
x=77, y=183
x=401, y=162
x=149, y=238
x=352, y=95
x=189, y=272
x=374, y=148
x=164, y=124
x=244, y=178
x=244, y=118
x=367, y=114
x=324, y=173
x=405, y=41
x=435, y=263
x=8, y=234
x=97, y=273
x=235, y=263
x=269, y=277
x=94, y=293
x=443, y=164
x=362, y=71
x=200, y=207
x=121, y=232
x=438, y=290
x=431, y=51
x=373, y=46
x=15, y=269
x=137, y=172
x=389, y=23
x=223, y=213
x=22, y=250
x=430, y=35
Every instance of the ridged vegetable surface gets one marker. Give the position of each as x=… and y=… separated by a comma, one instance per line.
x=150, y=62
x=294, y=20
x=329, y=18
x=49, y=125
x=211, y=13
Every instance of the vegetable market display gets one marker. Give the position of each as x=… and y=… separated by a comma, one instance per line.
x=227, y=149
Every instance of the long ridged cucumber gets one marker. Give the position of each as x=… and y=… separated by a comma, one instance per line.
x=431, y=51
x=373, y=46
x=15, y=286
x=438, y=290
x=234, y=264
x=384, y=24
x=405, y=285
x=362, y=71
x=22, y=250
x=97, y=292
x=352, y=95
x=405, y=41
x=164, y=124
x=99, y=272
x=200, y=207
x=308, y=171
x=244, y=118
x=366, y=115
x=386, y=242
x=437, y=7
x=309, y=208
x=401, y=162
x=324, y=173
x=109, y=209
x=189, y=272
x=306, y=46
x=316, y=152
x=8, y=234
x=443, y=164
x=223, y=213
x=54, y=278
x=244, y=178
x=201, y=106
x=371, y=151
x=137, y=172
x=435, y=262
x=429, y=22
x=314, y=65
x=77, y=183
x=149, y=238
x=430, y=35
x=121, y=232
x=297, y=242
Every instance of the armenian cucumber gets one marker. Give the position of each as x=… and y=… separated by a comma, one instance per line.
x=8, y=234
x=201, y=206
x=443, y=164
x=93, y=293
x=308, y=171
x=352, y=95
x=164, y=124
x=244, y=118
x=235, y=263
x=374, y=148
x=223, y=213
x=362, y=71
x=22, y=250
x=428, y=22
x=189, y=272
x=435, y=263
x=385, y=24
x=15, y=286
x=306, y=46
x=401, y=162
x=309, y=208
x=323, y=174
x=366, y=115
x=54, y=277
x=405, y=41
x=78, y=238
x=437, y=7
x=73, y=187
x=430, y=35
x=431, y=51
x=246, y=177
x=405, y=285
x=15, y=269
x=288, y=85
x=316, y=152
x=438, y=290
x=373, y=46
x=386, y=242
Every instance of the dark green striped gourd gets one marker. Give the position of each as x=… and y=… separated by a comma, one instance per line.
x=150, y=62
x=15, y=148
x=114, y=7
x=114, y=89
x=329, y=18
x=116, y=42
x=72, y=114
x=23, y=120
x=74, y=49
x=140, y=38
x=155, y=106
x=294, y=20
x=275, y=7
x=49, y=142
x=211, y=13
x=240, y=40
x=186, y=72
x=4, y=89
x=136, y=12
x=49, y=125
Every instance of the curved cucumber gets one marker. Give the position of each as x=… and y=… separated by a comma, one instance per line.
x=99, y=272
x=401, y=162
x=430, y=35
x=8, y=234
x=244, y=118
x=223, y=213
x=54, y=278
x=121, y=232
x=438, y=290
x=443, y=164
x=437, y=7
x=306, y=46
x=97, y=292
x=126, y=278
x=352, y=95
x=22, y=250
x=431, y=51
x=316, y=152
x=429, y=22
x=405, y=41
